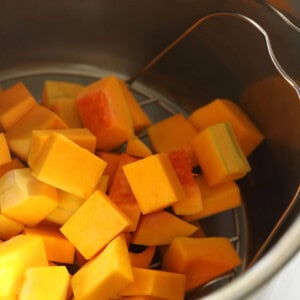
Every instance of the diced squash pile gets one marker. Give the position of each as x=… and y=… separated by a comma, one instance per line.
x=82, y=215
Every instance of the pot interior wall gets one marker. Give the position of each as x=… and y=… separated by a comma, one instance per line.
x=223, y=58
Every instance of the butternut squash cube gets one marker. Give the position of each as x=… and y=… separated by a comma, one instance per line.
x=4, y=150
x=160, y=228
x=19, y=135
x=94, y=224
x=67, y=205
x=66, y=109
x=219, y=154
x=216, y=199
x=16, y=101
x=164, y=138
x=67, y=166
x=224, y=110
x=9, y=227
x=105, y=275
x=24, y=198
x=139, y=117
x=153, y=182
x=112, y=160
x=57, y=89
x=141, y=298
x=16, y=255
x=142, y=259
x=192, y=203
x=15, y=163
x=50, y=283
x=121, y=194
x=200, y=259
x=156, y=283
x=58, y=248
x=81, y=136
x=104, y=111
x=136, y=147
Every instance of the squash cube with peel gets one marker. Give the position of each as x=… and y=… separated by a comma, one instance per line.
x=156, y=283
x=67, y=205
x=142, y=259
x=50, y=283
x=5, y=156
x=192, y=203
x=171, y=134
x=58, y=248
x=67, y=166
x=139, y=117
x=94, y=224
x=19, y=135
x=224, y=110
x=154, y=182
x=121, y=194
x=160, y=228
x=104, y=111
x=24, y=198
x=16, y=255
x=216, y=199
x=66, y=109
x=200, y=259
x=81, y=136
x=219, y=154
x=136, y=147
x=9, y=227
x=57, y=89
x=16, y=102
x=105, y=275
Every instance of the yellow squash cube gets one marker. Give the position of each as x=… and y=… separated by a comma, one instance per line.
x=67, y=166
x=9, y=227
x=24, y=198
x=105, y=275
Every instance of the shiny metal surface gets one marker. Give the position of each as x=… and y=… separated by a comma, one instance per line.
x=226, y=58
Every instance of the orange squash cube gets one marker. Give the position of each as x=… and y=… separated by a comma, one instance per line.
x=121, y=194
x=112, y=160
x=142, y=259
x=164, y=138
x=216, y=199
x=19, y=135
x=105, y=275
x=9, y=227
x=156, y=283
x=192, y=203
x=24, y=198
x=66, y=109
x=67, y=166
x=16, y=101
x=219, y=154
x=153, y=182
x=57, y=89
x=224, y=110
x=200, y=259
x=16, y=255
x=136, y=147
x=45, y=283
x=81, y=136
x=5, y=156
x=104, y=111
x=58, y=248
x=139, y=117
x=160, y=228
x=94, y=224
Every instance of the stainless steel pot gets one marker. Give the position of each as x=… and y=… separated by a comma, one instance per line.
x=224, y=57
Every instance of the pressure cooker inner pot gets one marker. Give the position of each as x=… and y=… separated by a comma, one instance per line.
x=224, y=57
